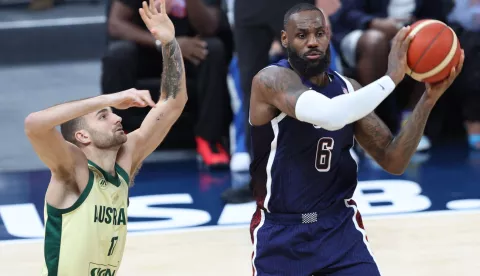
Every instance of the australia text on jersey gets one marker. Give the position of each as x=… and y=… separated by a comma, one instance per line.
x=152, y=212
x=107, y=215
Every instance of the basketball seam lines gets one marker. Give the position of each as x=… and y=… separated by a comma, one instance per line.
x=428, y=48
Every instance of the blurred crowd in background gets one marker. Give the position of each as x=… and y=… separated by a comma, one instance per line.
x=226, y=42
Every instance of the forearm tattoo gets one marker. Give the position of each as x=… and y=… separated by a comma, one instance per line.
x=407, y=140
x=172, y=69
x=393, y=152
x=374, y=136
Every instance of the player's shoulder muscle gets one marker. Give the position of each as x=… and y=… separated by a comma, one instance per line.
x=279, y=87
x=276, y=79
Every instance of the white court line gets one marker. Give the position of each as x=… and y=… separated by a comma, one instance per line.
x=68, y=21
x=246, y=225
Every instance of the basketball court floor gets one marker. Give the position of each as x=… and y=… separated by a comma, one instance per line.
x=426, y=222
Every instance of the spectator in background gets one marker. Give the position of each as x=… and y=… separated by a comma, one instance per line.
x=41, y=4
x=362, y=32
x=465, y=20
x=202, y=32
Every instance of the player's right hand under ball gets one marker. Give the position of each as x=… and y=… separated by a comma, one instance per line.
x=397, y=59
x=435, y=90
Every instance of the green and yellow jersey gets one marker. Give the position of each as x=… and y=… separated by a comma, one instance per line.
x=88, y=239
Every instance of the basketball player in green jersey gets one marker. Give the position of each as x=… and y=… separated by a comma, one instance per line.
x=92, y=162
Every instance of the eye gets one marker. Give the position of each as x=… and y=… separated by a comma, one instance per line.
x=103, y=116
x=321, y=33
x=301, y=36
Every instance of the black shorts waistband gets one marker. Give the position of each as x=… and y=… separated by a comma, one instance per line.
x=326, y=215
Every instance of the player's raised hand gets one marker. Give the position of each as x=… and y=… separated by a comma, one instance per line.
x=157, y=22
x=436, y=90
x=131, y=98
x=397, y=59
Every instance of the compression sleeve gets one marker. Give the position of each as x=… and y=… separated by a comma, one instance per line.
x=333, y=114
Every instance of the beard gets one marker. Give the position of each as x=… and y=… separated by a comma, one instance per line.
x=308, y=68
x=107, y=140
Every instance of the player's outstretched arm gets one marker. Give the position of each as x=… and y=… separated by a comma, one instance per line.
x=394, y=153
x=282, y=89
x=59, y=155
x=160, y=119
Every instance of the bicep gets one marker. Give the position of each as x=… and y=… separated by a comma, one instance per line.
x=57, y=154
x=279, y=87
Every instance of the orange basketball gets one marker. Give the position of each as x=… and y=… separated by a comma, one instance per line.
x=433, y=51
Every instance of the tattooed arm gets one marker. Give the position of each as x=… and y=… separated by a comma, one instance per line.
x=393, y=154
x=173, y=98
x=277, y=89
x=160, y=119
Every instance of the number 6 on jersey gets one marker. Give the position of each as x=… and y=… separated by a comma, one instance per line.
x=324, y=154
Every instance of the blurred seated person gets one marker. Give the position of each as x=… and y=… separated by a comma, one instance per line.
x=362, y=31
x=202, y=32
x=41, y=4
x=465, y=20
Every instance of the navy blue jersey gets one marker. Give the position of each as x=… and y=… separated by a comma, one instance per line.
x=298, y=167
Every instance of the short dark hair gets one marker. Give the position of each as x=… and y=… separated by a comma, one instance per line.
x=296, y=9
x=69, y=128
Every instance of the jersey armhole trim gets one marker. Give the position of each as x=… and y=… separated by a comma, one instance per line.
x=347, y=82
x=52, y=211
x=122, y=173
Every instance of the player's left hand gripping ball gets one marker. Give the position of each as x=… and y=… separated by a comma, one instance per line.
x=158, y=22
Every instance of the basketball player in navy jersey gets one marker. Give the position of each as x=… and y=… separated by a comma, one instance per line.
x=304, y=120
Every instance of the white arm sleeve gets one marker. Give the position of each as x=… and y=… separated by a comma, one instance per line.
x=333, y=114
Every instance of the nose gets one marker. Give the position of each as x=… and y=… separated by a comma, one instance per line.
x=118, y=119
x=312, y=41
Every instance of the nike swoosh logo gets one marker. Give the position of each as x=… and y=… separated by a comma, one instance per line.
x=383, y=88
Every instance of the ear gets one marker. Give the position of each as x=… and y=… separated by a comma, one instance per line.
x=284, y=39
x=83, y=137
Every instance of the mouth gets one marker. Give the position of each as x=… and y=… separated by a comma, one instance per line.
x=313, y=55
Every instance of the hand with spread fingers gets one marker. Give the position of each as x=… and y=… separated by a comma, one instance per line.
x=158, y=22
x=397, y=59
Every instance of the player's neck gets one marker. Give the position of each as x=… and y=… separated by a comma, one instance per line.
x=320, y=80
x=104, y=158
